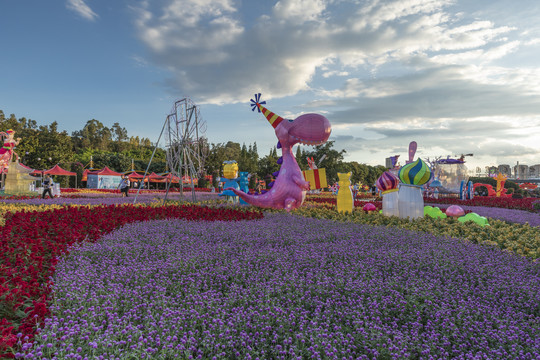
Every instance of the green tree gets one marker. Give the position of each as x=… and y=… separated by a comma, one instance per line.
x=46, y=147
x=219, y=153
x=268, y=164
x=94, y=135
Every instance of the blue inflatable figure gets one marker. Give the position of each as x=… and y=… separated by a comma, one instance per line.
x=243, y=181
x=230, y=177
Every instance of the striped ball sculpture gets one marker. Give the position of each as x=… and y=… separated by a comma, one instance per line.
x=387, y=181
x=416, y=173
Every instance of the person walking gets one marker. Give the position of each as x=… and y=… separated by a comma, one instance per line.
x=47, y=185
x=124, y=186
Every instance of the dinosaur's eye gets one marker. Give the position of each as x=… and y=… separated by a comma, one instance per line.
x=290, y=120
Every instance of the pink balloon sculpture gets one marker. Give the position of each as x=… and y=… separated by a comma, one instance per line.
x=455, y=211
x=369, y=207
x=289, y=189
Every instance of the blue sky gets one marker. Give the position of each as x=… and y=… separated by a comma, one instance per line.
x=456, y=76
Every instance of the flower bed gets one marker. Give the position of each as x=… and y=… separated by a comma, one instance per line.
x=31, y=242
x=112, y=198
x=499, y=202
x=521, y=239
x=132, y=190
x=329, y=199
x=289, y=287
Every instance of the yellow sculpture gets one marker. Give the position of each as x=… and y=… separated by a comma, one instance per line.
x=345, y=201
x=501, y=179
x=18, y=180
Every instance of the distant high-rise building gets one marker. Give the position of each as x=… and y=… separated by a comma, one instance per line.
x=521, y=171
x=534, y=171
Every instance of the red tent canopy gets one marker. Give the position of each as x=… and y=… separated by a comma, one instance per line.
x=172, y=178
x=57, y=170
x=154, y=178
x=134, y=175
x=105, y=171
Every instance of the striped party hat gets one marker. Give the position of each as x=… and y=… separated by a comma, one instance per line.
x=273, y=119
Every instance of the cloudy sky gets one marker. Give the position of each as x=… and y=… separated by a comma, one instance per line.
x=456, y=76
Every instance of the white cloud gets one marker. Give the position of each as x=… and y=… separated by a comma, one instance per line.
x=212, y=55
x=82, y=9
x=398, y=68
x=299, y=10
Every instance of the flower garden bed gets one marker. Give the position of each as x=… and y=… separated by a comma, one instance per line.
x=31, y=243
x=281, y=288
x=323, y=285
x=498, y=202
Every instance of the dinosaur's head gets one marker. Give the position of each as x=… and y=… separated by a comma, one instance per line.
x=308, y=129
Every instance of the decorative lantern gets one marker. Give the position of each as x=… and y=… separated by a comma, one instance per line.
x=413, y=176
x=388, y=184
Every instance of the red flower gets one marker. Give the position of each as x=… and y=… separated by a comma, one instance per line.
x=31, y=242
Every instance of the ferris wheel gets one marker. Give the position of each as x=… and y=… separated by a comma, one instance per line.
x=186, y=143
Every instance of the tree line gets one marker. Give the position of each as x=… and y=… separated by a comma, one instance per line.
x=43, y=146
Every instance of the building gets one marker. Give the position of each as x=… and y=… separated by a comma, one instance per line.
x=534, y=171
x=521, y=171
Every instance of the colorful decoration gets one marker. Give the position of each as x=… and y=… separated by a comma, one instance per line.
x=501, y=179
x=316, y=178
x=290, y=187
x=243, y=183
x=474, y=217
x=455, y=211
x=345, y=201
x=415, y=173
x=369, y=207
x=412, y=151
x=334, y=188
x=452, y=174
x=489, y=188
x=434, y=212
x=387, y=181
x=413, y=176
x=528, y=186
x=230, y=177
x=6, y=152
x=470, y=190
x=388, y=184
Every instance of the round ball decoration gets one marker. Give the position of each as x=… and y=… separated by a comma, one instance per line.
x=387, y=181
x=416, y=173
x=369, y=207
x=455, y=211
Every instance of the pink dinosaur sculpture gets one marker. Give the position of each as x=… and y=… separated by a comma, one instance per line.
x=289, y=189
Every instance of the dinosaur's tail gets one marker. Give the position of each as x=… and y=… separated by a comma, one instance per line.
x=255, y=200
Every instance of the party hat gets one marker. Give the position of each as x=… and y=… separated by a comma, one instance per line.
x=273, y=119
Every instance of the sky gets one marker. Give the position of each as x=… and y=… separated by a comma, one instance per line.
x=456, y=76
